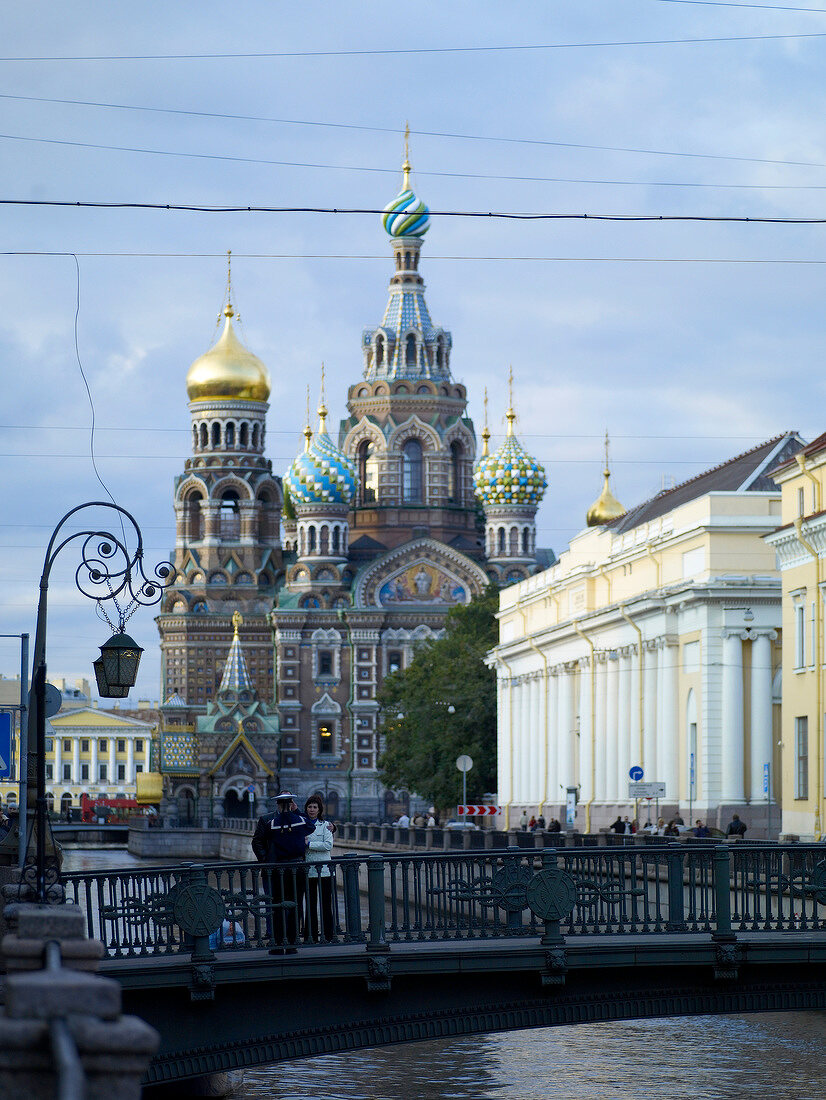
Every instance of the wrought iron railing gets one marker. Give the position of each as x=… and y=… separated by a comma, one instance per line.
x=454, y=896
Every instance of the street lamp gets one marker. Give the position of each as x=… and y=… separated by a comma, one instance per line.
x=110, y=575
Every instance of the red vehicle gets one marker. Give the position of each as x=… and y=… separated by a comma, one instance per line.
x=115, y=811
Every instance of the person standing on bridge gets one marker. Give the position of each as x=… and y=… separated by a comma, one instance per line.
x=319, y=879
x=281, y=837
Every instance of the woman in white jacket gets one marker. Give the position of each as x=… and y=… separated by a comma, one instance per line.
x=319, y=879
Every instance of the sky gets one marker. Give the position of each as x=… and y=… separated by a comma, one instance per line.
x=688, y=340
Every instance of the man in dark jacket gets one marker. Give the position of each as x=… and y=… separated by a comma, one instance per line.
x=736, y=827
x=281, y=837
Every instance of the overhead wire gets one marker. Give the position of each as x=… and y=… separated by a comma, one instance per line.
x=383, y=258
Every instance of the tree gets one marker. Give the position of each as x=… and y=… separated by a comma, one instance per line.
x=422, y=737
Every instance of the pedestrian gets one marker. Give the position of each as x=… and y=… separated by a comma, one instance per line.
x=554, y=826
x=403, y=822
x=281, y=838
x=627, y=826
x=736, y=827
x=701, y=830
x=678, y=820
x=618, y=826
x=523, y=821
x=540, y=822
x=431, y=820
x=532, y=824
x=671, y=829
x=319, y=879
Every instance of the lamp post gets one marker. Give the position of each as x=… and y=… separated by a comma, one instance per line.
x=111, y=575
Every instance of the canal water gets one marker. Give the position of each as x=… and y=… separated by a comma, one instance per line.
x=778, y=1055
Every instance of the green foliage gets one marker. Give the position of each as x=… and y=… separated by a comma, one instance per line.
x=288, y=508
x=422, y=746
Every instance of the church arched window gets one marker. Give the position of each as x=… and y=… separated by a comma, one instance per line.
x=244, y=439
x=412, y=472
x=368, y=472
x=216, y=434
x=230, y=434
x=230, y=515
x=379, y=351
x=410, y=350
x=204, y=436
x=526, y=544
x=311, y=539
x=501, y=541
x=255, y=436
x=454, y=491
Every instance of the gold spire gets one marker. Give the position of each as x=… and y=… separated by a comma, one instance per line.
x=322, y=408
x=486, y=429
x=237, y=620
x=308, y=431
x=406, y=164
x=510, y=415
x=606, y=507
x=228, y=310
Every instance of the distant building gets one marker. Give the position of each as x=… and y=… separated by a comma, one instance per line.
x=655, y=642
x=800, y=545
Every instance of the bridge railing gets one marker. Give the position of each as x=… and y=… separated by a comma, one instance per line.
x=425, y=897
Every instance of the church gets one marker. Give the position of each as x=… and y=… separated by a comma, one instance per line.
x=297, y=594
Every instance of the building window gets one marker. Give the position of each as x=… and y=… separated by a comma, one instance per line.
x=801, y=756
x=49, y=744
x=801, y=504
x=103, y=744
x=368, y=472
x=394, y=661
x=102, y=773
x=454, y=492
x=412, y=472
x=325, y=737
x=799, y=636
x=67, y=746
x=139, y=745
x=67, y=773
x=49, y=771
x=121, y=745
x=325, y=662
x=121, y=772
x=84, y=773
x=138, y=768
x=84, y=745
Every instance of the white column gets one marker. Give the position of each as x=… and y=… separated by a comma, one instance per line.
x=585, y=723
x=599, y=727
x=504, y=741
x=669, y=737
x=625, y=757
x=130, y=760
x=93, y=760
x=76, y=760
x=564, y=724
x=761, y=711
x=612, y=668
x=536, y=736
x=649, y=764
x=634, y=717
x=731, y=734
x=572, y=759
x=551, y=734
x=58, y=762
x=112, y=760
x=525, y=741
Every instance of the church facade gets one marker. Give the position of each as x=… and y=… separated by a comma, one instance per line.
x=338, y=570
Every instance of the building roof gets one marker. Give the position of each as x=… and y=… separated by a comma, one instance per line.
x=815, y=447
x=745, y=473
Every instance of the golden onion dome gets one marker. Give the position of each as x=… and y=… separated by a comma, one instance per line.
x=606, y=507
x=228, y=372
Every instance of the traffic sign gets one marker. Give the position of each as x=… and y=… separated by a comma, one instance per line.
x=464, y=763
x=636, y=773
x=477, y=811
x=646, y=790
x=5, y=744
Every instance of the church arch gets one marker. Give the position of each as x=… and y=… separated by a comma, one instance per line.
x=229, y=434
x=204, y=435
x=412, y=472
x=230, y=515
x=216, y=434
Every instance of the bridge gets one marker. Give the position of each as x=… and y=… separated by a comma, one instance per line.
x=434, y=945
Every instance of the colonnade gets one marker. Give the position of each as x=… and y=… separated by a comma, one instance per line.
x=586, y=722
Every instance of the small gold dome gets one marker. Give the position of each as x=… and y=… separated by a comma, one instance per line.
x=606, y=507
x=228, y=372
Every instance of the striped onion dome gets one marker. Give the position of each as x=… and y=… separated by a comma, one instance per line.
x=510, y=475
x=406, y=215
x=321, y=474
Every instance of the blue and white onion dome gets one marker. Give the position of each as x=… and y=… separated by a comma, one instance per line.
x=510, y=475
x=321, y=474
x=406, y=215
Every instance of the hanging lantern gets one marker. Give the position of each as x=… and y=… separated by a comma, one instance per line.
x=116, y=669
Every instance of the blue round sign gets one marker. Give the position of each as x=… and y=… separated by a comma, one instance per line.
x=636, y=773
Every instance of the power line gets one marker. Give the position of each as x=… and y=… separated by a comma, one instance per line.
x=732, y=4
x=490, y=214
x=419, y=133
x=532, y=47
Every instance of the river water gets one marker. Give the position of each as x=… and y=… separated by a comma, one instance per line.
x=777, y=1055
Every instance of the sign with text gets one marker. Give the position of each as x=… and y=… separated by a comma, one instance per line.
x=477, y=811
x=5, y=744
x=646, y=790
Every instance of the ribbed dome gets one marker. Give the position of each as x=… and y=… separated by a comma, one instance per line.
x=321, y=474
x=228, y=372
x=510, y=475
x=606, y=507
x=406, y=216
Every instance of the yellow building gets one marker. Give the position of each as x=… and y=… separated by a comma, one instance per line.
x=653, y=642
x=800, y=545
